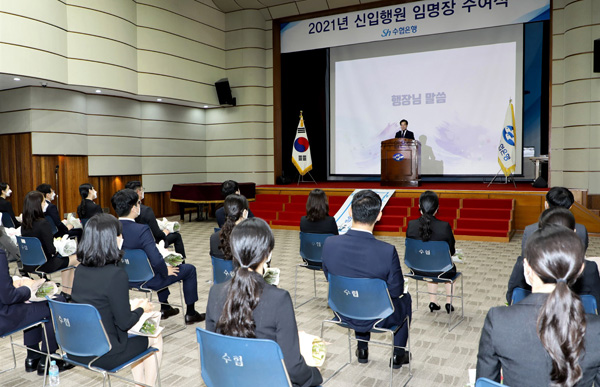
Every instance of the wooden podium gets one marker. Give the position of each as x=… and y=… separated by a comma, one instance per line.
x=400, y=162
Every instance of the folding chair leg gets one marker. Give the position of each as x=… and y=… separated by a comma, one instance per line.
x=462, y=305
x=12, y=348
x=296, y=288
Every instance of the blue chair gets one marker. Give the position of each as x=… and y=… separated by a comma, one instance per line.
x=311, y=248
x=52, y=225
x=234, y=361
x=518, y=294
x=138, y=269
x=433, y=257
x=7, y=220
x=363, y=299
x=589, y=303
x=32, y=254
x=222, y=270
x=83, y=221
x=13, y=344
x=79, y=331
x=217, y=229
x=485, y=382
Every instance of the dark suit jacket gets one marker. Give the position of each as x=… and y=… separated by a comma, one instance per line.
x=440, y=231
x=107, y=289
x=139, y=236
x=6, y=206
x=358, y=254
x=147, y=217
x=220, y=215
x=323, y=226
x=588, y=283
x=12, y=300
x=275, y=320
x=42, y=231
x=91, y=209
x=215, y=241
x=580, y=230
x=409, y=135
x=52, y=212
x=509, y=341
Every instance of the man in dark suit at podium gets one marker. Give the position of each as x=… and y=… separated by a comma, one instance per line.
x=404, y=132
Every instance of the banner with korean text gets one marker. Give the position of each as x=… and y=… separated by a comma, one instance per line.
x=343, y=218
x=407, y=20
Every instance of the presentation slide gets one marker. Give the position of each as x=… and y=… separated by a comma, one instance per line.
x=455, y=101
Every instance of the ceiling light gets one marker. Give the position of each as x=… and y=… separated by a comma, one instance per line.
x=205, y=106
x=159, y=99
x=16, y=79
x=98, y=91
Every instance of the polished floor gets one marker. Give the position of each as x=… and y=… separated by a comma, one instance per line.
x=440, y=358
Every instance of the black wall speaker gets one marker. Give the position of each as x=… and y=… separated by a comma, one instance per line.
x=597, y=56
x=224, y=92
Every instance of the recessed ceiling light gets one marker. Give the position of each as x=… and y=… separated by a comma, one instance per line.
x=205, y=106
x=98, y=91
x=17, y=79
x=159, y=99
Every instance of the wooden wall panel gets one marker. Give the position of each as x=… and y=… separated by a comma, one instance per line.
x=16, y=166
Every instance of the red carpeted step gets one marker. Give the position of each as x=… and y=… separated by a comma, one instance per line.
x=289, y=215
x=265, y=214
x=387, y=228
x=449, y=203
x=292, y=223
x=271, y=198
x=482, y=224
x=299, y=199
x=387, y=220
x=488, y=203
x=295, y=207
x=395, y=211
x=263, y=206
x=337, y=200
x=400, y=202
x=485, y=213
x=479, y=232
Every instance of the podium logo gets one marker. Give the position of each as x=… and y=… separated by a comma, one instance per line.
x=398, y=157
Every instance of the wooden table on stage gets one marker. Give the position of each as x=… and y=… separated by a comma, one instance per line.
x=400, y=162
x=204, y=195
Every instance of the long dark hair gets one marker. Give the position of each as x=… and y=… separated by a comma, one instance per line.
x=234, y=208
x=317, y=207
x=84, y=191
x=251, y=243
x=428, y=204
x=32, y=208
x=98, y=247
x=556, y=255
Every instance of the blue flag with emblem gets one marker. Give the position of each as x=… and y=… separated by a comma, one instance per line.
x=508, y=141
x=301, y=152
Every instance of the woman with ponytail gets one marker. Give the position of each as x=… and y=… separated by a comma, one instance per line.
x=246, y=306
x=428, y=228
x=88, y=208
x=546, y=339
x=236, y=210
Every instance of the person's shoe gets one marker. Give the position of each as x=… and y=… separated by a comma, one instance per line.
x=31, y=364
x=166, y=313
x=66, y=296
x=433, y=306
x=363, y=355
x=62, y=366
x=399, y=360
x=449, y=308
x=194, y=318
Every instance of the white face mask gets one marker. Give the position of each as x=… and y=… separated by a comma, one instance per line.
x=8, y=192
x=44, y=206
x=94, y=194
x=53, y=196
x=120, y=242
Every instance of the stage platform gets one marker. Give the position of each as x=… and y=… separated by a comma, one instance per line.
x=528, y=201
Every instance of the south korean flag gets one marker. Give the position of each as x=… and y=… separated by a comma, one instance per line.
x=301, y=150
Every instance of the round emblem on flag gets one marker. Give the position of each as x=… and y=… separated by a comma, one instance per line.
x=301, y=144
x=508, y=135
x=398, y=157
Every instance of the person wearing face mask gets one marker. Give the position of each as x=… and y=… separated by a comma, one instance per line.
x=35, y=225
x=246, y=306
x=6, y=206
x=147, y=217
x=88, y=208
x=236, y=210
x=587, y=283
x=138, y=236
x=52, y=213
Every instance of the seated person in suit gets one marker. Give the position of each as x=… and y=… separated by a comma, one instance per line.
x=357, y=254
x=101, y=282
x=587, y=283
x=52, y=212
x=35, y=225
x=15, y=313
x=317, y=219
x=6, y=206
x=147, y=217
x=87, y=208
x=236, y=210
x=227, y=188
x=247, y=306
x=546, y=339
x=404, y=132
x=126, y=204
x=428, y=228
x=557, y=197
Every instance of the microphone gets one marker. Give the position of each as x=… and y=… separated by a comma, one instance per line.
x=56, y=169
